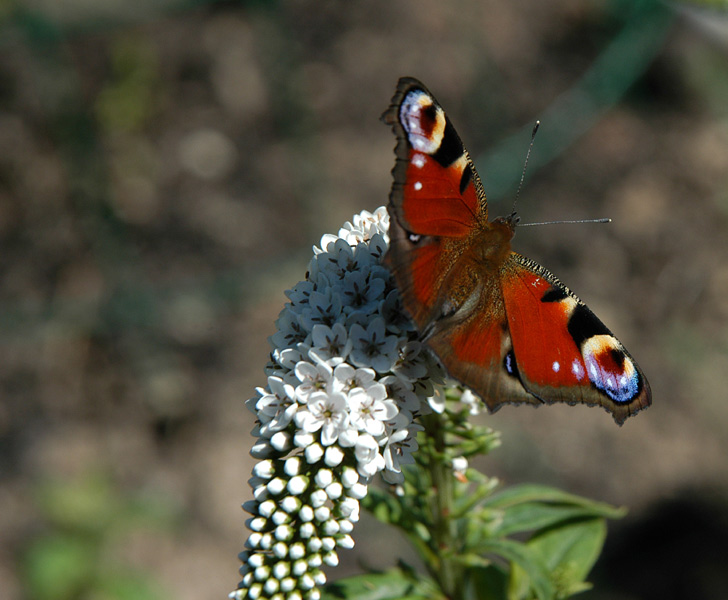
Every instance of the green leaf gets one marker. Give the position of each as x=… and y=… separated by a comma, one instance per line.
x=528, y=560
x=520, y=494
x=534, y=516
x=568, y=552
x=394, y=584
x=485, y=583
x=574, y=547
x=468, y=497
x=383, y=506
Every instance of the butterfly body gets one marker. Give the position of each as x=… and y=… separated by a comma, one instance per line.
x=499, y=323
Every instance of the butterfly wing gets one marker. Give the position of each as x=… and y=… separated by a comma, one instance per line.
x=530, y=339
x=435, y=202
x=561, y=351
x=476, y=349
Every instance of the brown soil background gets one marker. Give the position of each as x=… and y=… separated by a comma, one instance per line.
x=164, y=171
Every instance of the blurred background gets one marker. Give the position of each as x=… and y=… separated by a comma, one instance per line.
x=165, y=168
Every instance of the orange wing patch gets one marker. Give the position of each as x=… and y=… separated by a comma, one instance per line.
x=432, y=203
x=477, y=351
x=545, y=352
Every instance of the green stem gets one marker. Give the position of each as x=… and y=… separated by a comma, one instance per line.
x=445, y=570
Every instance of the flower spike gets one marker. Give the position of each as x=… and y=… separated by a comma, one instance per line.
x=346, y=381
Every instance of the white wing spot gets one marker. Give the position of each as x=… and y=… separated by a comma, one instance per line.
x=418, y=161
x=418, y=185
x=556, y=366
x=577, y=369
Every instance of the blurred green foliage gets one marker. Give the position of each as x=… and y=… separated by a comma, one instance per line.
x=641, y=27
x=83, y=522
x=127, y=101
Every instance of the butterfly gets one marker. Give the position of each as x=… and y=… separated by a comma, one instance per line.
x=499, y=323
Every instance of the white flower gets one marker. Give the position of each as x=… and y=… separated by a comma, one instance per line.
x=437, y=401
x=459, y=466
x=412, y=363
x=399, y=449
x=394, y=315
x=370, y=409
x=276, y=407
x=347, y=377
x=313, y=377
x=290, y=332
x=372, y=347
x=472, y=401
x=287, y=358
x=361, y=291
x=366, y=226
x=326, y=240
x=300, y=293
x=367, y=455
x=403, y=392
x=340, y=256
x=325, y=412
x=323, y=308
x=348, y=437
x=331, y=343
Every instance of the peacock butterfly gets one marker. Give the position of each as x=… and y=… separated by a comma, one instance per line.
x=500, y=323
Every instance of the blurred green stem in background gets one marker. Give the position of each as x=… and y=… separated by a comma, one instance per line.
x=615, y=70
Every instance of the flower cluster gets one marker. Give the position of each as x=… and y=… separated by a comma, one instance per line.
x=347, y=379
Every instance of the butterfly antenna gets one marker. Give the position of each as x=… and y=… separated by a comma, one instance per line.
x=536, y=125
x=605, y=220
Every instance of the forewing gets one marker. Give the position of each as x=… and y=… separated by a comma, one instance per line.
x=435, y=202
x=436, y=190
